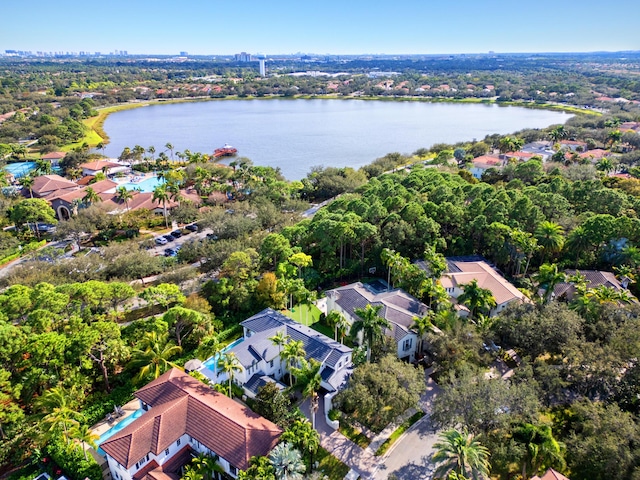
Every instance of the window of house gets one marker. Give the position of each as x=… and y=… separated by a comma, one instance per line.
x=233, y=470
x=271, y=364
x=166, y=452
x=407, y=344
x=178, y=442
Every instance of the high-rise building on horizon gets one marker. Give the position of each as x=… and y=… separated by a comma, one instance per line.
x=263, y=68
x=243, y=57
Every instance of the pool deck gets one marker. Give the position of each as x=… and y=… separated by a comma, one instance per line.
x=129, y=409
x=102, y=426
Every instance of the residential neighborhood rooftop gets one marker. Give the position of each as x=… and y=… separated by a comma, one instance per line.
x=183, y=405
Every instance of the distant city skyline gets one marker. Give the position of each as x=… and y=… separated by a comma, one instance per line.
x=286, y=27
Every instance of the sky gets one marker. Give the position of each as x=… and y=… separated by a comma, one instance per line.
x=210, y=27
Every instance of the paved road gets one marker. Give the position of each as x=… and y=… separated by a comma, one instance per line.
x=409, y=458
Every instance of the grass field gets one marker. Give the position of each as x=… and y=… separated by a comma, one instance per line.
x=330, y=465
x=304, y=314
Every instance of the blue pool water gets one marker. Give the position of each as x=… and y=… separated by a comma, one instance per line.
x=117, y=427
x=146, y=185
x=212, y=362
x=20, y=169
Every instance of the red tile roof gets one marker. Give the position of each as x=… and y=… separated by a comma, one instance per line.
x=550, y=474
x=99, y=165
x=183, y=405
x=45, y=185
x=54, y=156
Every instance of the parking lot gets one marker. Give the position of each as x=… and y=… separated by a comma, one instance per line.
x=178, y=242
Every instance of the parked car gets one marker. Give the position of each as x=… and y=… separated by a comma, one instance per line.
x=170, y=252
x=212, y=236
x=161, y=241
x=169, y=238
x=177, y=233
x=192, y=228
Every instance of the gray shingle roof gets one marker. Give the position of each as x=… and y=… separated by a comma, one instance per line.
x=398, y=307
x=594, y=278
x=266, y=323
x=256, y=347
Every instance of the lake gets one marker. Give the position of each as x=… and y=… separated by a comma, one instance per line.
x=296, y=134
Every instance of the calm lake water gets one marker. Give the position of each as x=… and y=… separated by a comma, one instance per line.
x=296, y=135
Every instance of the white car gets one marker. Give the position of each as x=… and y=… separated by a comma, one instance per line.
x=161, y=241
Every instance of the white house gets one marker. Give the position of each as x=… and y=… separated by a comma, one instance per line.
x=398, y=307
x=260, y=358
x=183, y=418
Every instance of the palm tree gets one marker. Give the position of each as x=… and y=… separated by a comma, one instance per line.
x=548, y=277
x=174, y=192
x=206, y=466
x=152, y=356
x=59, y=406
x=304, y=437
x=90, y=196
x=152, y=151
x=293, y=352
x=342, y=327
x=228, y=363
x=27, y=182
x=542, y=449
x=558, y=134
x=550, y=237
x=169, y=147
x=161, y=195
x=578, y=241
x=43, y=167
x=333, y=319
x=279, y=340
x=476, y=298
x=124, y=195
x=422, y=325
x=287, y=462
x=370, y=324
x=461, y=453
x=308, y=381
x=392, y=260
x=614, y=137
x=84, y=435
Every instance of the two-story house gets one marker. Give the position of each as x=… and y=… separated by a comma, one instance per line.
x=185, y=417
x=462, y=270
x=260, y=358
x=398, y=308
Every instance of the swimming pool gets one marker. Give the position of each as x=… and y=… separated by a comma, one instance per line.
x=20, y=169
x=212, y=362
x=147, y=185
x=116, y=428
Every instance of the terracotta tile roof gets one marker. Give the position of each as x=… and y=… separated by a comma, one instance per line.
x=45, y=185
x=103, y=186
x=487, y=160
x=54, y=156
x=183, y=405
x=99, y=165
x=86, y=180
x=461, y=272
x=520, y=154
x=550, y=474
x=595, y=153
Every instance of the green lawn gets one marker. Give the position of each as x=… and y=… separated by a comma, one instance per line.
x=304, y=314
x=330, y=465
